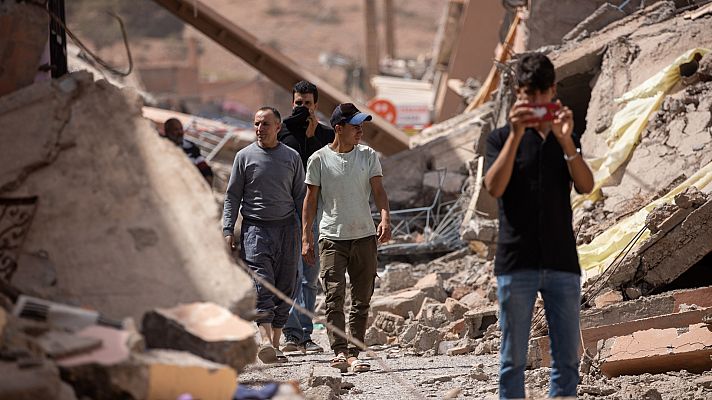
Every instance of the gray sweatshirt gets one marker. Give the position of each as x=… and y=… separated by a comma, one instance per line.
x=266, y=185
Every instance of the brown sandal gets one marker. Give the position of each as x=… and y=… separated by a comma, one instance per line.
x=339, y=362
x=356, y=365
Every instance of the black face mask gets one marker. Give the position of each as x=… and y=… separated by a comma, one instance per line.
x=300, y=113
x=298, y=120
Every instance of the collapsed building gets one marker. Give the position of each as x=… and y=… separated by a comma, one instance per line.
x=638, y=82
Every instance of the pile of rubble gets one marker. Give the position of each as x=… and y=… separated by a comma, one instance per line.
x=447, y=306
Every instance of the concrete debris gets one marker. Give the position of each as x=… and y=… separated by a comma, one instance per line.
x=608, y=297
x=321, y=393
x=400, y=304
x=602, y=17
x=157, y=374
x=432, y=286
x=204, y=329
x=93, y=148
x=397, y=276
x=325, y=376
x=657, y=350
x=390, y=323
x=375, y=336
x=681, y=241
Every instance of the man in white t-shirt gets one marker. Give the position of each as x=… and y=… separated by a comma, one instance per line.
x=343, y=175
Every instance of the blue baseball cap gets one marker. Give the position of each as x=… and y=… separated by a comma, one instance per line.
x=347, y=113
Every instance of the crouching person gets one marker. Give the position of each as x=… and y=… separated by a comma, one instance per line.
x=343, y=175
x=267, y=185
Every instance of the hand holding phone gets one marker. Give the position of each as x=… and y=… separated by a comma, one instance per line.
x=543, y=112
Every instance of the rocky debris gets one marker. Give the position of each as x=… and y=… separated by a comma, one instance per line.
x=401, y=303
x=204, y=329
x=92, y=148
x=432, y=286
x=375, y=336
x=325, y=376
x=389, y=323
x=397, y=276
x=321, y=393
x=608, y=297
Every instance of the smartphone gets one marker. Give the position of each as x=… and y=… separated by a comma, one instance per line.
x=544, y=112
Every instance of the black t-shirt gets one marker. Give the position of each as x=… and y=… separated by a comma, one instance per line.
x=535, y=229
x=295, y=137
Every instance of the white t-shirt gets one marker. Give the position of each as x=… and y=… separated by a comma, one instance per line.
x=345, y=189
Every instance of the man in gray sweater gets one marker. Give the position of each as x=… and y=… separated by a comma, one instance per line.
x=267, y=186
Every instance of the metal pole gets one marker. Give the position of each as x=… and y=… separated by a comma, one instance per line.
x=57, y=40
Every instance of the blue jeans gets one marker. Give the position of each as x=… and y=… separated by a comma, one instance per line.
x=517, y=292
x=300, y=326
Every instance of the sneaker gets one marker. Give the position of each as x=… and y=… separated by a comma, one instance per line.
x=310, y=347
x=291, y=346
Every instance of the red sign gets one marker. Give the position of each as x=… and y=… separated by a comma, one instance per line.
x=385, y=109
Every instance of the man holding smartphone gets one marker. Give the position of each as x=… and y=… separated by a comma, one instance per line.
x=532, y=163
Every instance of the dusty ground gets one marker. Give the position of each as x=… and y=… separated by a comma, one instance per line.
x=476, y=378
x=432, y=376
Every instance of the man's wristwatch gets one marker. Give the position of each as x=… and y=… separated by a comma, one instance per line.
x=577, y=154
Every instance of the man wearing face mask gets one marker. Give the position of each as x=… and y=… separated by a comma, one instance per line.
x=532, y=164
x=303, y=132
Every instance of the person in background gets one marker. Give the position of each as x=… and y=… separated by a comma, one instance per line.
x=173, y=130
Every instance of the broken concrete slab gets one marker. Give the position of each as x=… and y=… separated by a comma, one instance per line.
x=603, y=16
x=375, y=336
x=607, y=298
x=432, y=286
x=204, y=329
x=479, y=320
x=321, y=393
x=94, y=149
x=401, y=303
x=154, y=375
x=540, y=350
x=397, y=276
x=657, y=350
x=404, y=171
x=647, y=307
x=667, y=255
x=584, y=56
x=389, y=323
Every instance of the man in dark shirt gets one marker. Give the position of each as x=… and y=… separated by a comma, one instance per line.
x=173, y=130
x=303, y=132
x=531, y=165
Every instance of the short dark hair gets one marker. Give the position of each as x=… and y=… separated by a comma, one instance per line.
x=273, y=110
x=172, y=121
x=305, y=87
x=535, y=71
